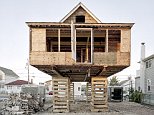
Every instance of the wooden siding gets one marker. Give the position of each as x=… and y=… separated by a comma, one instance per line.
x=38, y=39
x=125, y=40
x=51, y=58
x=65, y=58
x=112, y=58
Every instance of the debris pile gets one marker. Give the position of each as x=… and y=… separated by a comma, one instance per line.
x=23, y=104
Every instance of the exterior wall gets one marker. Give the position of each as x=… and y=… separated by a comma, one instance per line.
x=77, y=88
x=13, y=88
x=125, y=40
x=51, y=58
x=38, y=39
x=65, y=58
x=137, y=83
x=149, y=75
x=7, y=79
x=81, y=11
x=48, y=86
x=39, y=56
x=4, y=79
x=112, y=58
x=2, y=74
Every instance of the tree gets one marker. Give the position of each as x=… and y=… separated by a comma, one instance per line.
x=114, y=81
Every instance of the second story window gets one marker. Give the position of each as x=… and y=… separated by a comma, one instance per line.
x=148, y=63
x=80, y=19
x=149, y=84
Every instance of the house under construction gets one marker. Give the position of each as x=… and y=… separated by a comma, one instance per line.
x=80, y=48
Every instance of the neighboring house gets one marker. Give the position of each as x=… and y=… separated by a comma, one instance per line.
x=15, y=86
x=48, y=86
x=149, y=74
x=127, y=84
x=145, y=81
x=77, y=88
x=6, y=76
x=137, y=81
x=145, y=77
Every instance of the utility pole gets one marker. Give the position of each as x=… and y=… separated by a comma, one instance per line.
x=27, y=66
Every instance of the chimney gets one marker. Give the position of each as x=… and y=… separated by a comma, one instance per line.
x=142, y=51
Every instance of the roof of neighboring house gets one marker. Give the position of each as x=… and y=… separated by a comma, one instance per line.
x=48, y=81
x=9, y=72
x=137, y=77
x=18, y=82
x=149, y=57
x=75, y=8
x=122, y=82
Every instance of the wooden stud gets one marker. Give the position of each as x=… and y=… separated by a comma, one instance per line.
x=58, y=40
x=106, y=40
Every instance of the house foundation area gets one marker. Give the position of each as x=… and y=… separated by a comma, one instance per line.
x=80, y=48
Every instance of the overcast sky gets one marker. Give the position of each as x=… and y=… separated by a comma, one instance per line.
x=14, y=33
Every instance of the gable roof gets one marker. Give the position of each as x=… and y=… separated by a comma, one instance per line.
x=75, y=9
x=18, y=82
x=122, y=82
x=149, y=57
x=8, y=72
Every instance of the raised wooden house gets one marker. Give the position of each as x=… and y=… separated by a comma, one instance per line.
x=80, y=48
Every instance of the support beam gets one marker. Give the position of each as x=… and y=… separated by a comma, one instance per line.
x=58, y=40
x=87, y=50
x=106, y=41
x=92, y=47
x=75, y=44
x=72, y=39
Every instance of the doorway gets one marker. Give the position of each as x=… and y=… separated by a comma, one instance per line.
x=84, y=45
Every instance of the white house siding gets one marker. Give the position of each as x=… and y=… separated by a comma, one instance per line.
x=149, y=75
x=137, y=83
x=77, y=88
x=13, y=88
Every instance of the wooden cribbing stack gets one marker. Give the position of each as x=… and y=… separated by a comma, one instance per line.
x=88, y=92
x=61, y=94
x=99, y=94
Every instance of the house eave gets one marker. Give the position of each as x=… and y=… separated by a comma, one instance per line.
x=86, y=25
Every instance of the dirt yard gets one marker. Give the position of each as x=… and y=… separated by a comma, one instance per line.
x=115, y=108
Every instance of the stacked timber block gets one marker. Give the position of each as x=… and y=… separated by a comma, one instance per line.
x=61, y=94
x=88, y=92
x=99, y=94
x=71, y=92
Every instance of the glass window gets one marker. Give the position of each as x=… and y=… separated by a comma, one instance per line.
x=148, y=63
x=78, y=88
x=149, y=84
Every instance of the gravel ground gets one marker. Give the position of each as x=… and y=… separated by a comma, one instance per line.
x=115, y=108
